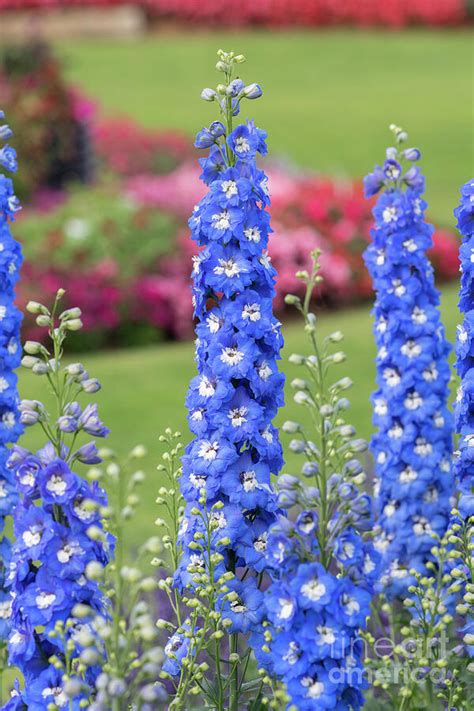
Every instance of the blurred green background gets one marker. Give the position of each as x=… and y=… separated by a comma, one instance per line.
x=329, y=95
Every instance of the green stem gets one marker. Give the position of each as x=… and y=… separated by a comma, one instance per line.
x=234, y=681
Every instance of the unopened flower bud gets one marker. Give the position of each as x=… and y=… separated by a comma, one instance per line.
x=94, y=570
x=32, y=347
x=42, y=320
x=91, y=385
x=252, y=91
x=75, y=324
x=208, y=94
x=34, y=307
x=70, y=314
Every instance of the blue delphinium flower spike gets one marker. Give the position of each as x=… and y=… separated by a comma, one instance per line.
x=238, y=389
x=10, y=356
x=60, y=546
x=413, y=444
x=464, y=407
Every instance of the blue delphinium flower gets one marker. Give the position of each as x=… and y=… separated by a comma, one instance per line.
x=322, y=567
x=60, y=545
x=10, y=355
x=238, y=390
x=413, y=444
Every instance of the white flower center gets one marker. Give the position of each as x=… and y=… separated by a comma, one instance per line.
x=410, y=245
x=31, y=537
x=221, y=220
x=231, y=356
x=60, y=698
x=350, y=605
x=242, y=145
x=238, y=606
x=8, y=419
x=422, y=447
x=197, y=415
x=237, y=416
x=228, y=267
x=392, y=377
x=248, y=481
x=430, y=374
x=286, y=608
x=252, y=234
x=293, y=653
x=208, y=450
x=413, y=401
x=229, y=188
x=389, y=214
x=313, y=590
x=260, y=543
x=411, y=349
x=431, y=496
x=251, y=312
x=264, y=371
x=315, y=688
x=45, y=600
x=396, y=431
x=398, y=288
x=5, y=609
x=56, y=485
x=421, y=526
x=206, y=388
x=198, y=481
x=419, y=316
x=408, y=475
x=213, y=323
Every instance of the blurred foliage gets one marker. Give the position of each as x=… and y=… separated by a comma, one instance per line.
x=51, y=142
x=98, y=225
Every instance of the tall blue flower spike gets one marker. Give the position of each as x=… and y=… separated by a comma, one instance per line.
x=238, y=389
x=10, y=356
x=413, y=444
x=464, y=408
x=59, y=552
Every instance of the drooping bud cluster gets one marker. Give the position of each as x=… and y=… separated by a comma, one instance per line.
x=238, y=390
x=322, y=565
x=10, y=355
x=413, y=444
x=60, y=546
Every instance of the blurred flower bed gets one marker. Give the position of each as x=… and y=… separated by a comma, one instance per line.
x=122, y=250
x=106, y=217
x=389, y=13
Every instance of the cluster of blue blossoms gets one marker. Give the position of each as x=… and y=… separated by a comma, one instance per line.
x=59, y=542
x=464, y=408
x=238, y=390
x=10, y=356
x=316, y=611
x=413, y=446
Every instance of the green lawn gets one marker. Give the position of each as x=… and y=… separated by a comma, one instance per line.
x=144, y=389
x=329, y=95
